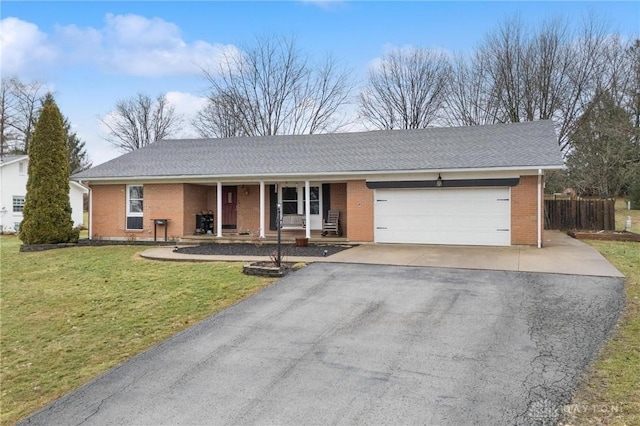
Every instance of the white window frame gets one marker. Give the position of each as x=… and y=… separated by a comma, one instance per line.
x=130, y=213
x=18, y=198
x=316, y=218
x=290, y=201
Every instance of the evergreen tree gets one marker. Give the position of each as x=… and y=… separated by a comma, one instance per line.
x=603, y=159
x=78, y=157
x=47, y=210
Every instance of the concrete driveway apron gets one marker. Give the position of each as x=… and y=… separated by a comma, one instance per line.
x=367, y=344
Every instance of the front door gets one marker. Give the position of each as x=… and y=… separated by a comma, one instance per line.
x=229, y=207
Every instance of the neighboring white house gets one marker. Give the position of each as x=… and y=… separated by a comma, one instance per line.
x=13, y=189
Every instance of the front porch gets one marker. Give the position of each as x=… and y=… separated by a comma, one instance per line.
x=238, y=211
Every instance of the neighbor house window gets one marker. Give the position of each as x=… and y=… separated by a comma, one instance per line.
x=134, y=206
x=22, y=167
x=18, y=204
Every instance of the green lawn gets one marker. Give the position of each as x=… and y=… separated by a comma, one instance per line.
x=610, y=392
x=621, y=216
x=68, y=315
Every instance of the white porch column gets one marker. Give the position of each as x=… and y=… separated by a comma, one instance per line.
x=219, y=210
x=262, y=209
x=307, y=208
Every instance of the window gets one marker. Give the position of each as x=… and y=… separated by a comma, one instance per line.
x=135, y=207
x=293, y=199
x=18, y=203
x=290, y=200
x=314, y=195
x=22, y=168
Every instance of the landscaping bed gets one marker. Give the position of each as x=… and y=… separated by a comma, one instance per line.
x=270, y=269
x=245, y=249
x=605, y=235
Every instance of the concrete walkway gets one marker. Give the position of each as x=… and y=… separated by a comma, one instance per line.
x=561, y=255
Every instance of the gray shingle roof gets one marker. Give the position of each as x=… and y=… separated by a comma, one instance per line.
x=530, y=144
x=5, y=159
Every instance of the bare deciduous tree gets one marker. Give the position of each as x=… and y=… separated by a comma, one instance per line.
x=20, y=103
x=139, y=121
x=546, y=74
x=6, y=116
x=272, y=88
x=407, y=90
x=219, y=119
x=633, y=102
x=472, y=99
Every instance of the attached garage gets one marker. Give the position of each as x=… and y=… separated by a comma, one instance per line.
x=453, y=216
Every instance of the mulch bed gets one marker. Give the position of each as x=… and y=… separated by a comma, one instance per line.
x=243, y=249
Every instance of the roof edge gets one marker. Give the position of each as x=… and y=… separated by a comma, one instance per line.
x=15, y=160
x=318, y=174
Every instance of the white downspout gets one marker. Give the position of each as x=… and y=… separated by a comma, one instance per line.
x=539, y=208
x=219, y=210
x=307, y=208
x=262, y=210
x=90, y=216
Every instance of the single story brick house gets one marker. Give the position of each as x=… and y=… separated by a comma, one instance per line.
x=479, y=185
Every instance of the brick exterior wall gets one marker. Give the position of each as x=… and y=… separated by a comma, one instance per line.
x=164, y=201
x=524, y=211
x=108, y=216
x=338, y=201
x=177, y=202
x=180, y=203
x=249, y=209
x=359, y=211
x=195, y=202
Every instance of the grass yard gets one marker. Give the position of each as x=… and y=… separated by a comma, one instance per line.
x=621, y=216
x=68, y=315
x=610, y=391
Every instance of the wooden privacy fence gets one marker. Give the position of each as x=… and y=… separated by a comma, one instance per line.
x=595, y=215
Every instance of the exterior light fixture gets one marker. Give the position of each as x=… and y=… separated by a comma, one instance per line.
x=439, y=181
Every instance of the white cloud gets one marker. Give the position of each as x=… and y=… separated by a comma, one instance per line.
x=140, y=46
x=126, y=44
x=138, y=31
x=187, y=105
x=23, y=47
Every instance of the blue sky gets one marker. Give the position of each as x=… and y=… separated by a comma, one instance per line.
x=93, y=53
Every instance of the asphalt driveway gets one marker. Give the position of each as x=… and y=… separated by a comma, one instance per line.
x=366, y=344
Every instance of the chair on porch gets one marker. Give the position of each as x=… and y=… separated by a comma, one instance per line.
x=331, y=223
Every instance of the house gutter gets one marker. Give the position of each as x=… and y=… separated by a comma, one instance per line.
x=304, y=176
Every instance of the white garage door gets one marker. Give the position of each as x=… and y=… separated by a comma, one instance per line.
x=460, y=216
